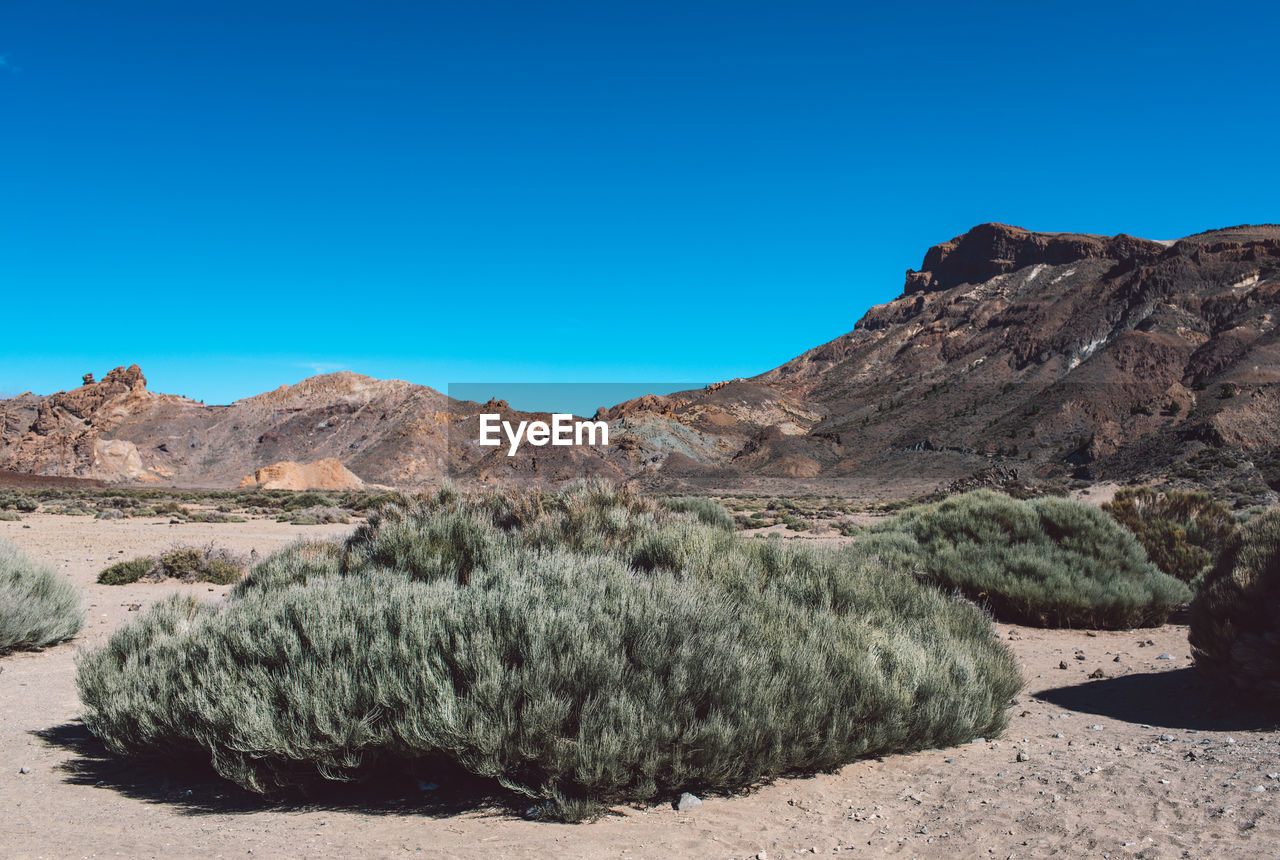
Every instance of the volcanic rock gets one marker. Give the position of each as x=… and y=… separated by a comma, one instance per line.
x=326, y=474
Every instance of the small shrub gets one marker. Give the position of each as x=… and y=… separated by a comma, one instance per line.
x=583, y=648
x=126, y=572
x=172, y=508
x=1235, y=618
x=307, y=500
x=216, y=517
x=215, y=565
x=37, y=607
x=1050, y=562
x=319, y=515
x=9, y=516
x=211, y=564
x=19, y=502
x=1183, y=533
x=706, y=510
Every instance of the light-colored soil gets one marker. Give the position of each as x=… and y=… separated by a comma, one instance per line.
x=1145, y=762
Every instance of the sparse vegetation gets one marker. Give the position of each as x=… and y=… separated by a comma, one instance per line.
x=212, y=564
x=316, y=515
x=1049, y=562
x=37, y=607
x=1182, y=532
x=1235, y=618
x=706, y=510
x=585, y=648
x=126, y=572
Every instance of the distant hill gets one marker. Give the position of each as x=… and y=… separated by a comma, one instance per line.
x=1047, y=354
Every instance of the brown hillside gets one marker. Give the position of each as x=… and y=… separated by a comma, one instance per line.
x=1049, y=354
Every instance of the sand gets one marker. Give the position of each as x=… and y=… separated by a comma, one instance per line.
x=1145, y=762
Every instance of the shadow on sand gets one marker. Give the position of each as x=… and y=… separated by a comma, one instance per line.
x=1179, y=699
x=194, y=786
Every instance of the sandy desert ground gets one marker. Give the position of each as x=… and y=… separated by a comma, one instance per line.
x=1144, y=761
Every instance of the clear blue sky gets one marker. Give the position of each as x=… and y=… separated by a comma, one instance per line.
x=236, y=195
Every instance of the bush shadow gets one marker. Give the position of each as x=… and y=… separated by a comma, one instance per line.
x=192, y=785
x=1177, y=699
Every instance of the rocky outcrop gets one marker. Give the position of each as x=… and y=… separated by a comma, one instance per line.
x=326, y=474
x=70, y=434
x=989, y=250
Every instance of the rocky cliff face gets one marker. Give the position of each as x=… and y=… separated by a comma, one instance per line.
x=1058, y=353
x=71, y=433
x=1048, y=354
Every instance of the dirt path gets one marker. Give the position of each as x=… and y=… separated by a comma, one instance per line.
x=1144, y=762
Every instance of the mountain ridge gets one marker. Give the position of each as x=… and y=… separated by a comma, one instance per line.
x=1050, y=354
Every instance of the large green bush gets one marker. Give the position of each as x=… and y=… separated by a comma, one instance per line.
x=585, y=648
x=37, y=607
x=1047, y=562
x=1235, y=618
x=1182, y=532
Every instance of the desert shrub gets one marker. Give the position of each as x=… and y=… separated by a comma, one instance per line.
x=1049, y=562
x=706, y=510
x=171, y=508
x=1235, y=618
x=584, y=648
x=9, y=516
x=37, y=607
x=209, y=563
x=216, y=517
x=308, y=499
x=126, y=572
x=293, y=565
x=320, y=515
x=362, y=502
x=19, y=502
x=1181, y=532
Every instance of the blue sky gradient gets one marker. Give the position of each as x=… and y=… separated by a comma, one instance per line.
x=238, y=195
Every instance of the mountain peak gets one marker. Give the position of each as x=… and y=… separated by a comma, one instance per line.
x=996, y=249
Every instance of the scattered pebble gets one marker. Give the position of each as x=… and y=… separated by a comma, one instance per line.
x=1022, y=756
x=1165, y=657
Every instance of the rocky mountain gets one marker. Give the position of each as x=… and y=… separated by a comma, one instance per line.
x=1048, y=355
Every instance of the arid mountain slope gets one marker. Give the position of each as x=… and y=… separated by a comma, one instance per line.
x=1054, y=354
